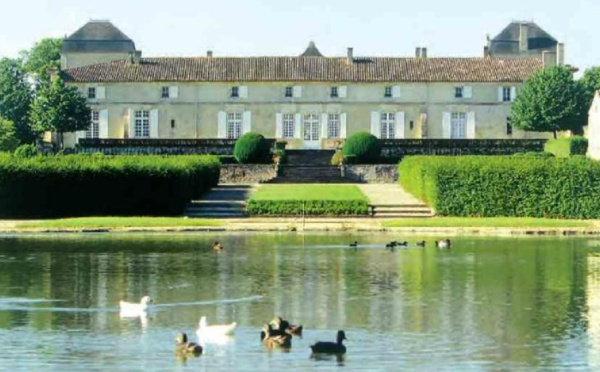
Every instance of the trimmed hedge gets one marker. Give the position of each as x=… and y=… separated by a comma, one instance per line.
x=512, y=186
x=568, y=146
x=364, y=146
x=310, y=207
x=95, y=185
x=252, y=148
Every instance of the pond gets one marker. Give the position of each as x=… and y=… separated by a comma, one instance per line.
x=487, y=303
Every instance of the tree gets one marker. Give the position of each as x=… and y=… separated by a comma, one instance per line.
x=591, y=82
x=551, y=101
x=41, y=58
x=15, y=98
x=59, y=108
x=8, y=139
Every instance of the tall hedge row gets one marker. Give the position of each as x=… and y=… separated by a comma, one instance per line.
x=488, y=186
x=91, y=185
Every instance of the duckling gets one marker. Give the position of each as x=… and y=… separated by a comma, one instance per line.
x=331, y=347
x=391, y=245
x=354, y=245
x=443, y=244
x=183, y=347
x=274, y=339
x=217, y=246
x=421, y=244
x=281, y=325
x=402, y=244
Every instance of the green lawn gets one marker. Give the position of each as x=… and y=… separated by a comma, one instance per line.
x=474, y=222
x=308, y=192
x=118, y=222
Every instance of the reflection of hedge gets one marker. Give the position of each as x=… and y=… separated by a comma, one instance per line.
x=504, y=185
x=567, y=146
x=79, y=185
x=310, y=207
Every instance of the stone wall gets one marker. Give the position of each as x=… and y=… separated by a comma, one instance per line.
x=372, y=173
x=247, y=173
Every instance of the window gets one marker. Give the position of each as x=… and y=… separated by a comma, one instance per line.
x=509, y=128
x=164, y=92
x=458, y=127
x=388, y=122
x=288, y=126
x=506, y=94
x=333, y=126
x=387, y=92
x=334, y=92
x=234, y=125
x=92, y=92
x=458, y=92
x=235, y=92
x=142, y=123
x=289, y=92
x=311, y=127
x=93, y=130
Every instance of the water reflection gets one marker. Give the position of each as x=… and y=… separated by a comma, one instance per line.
x=487, y=303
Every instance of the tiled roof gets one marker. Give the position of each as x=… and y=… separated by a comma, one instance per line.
x=97, y=36
x=248, y=69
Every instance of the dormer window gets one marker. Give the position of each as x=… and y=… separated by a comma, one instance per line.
x=164, y=92
x=334, y=92
x=235, y=92
x=289, y=92
x=91, y=93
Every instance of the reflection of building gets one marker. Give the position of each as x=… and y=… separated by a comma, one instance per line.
x=310, y=100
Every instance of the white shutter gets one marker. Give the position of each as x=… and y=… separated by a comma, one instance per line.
x=399, y=130
x=396, y=91
x=278, y=125
x=222, y=124
x=343, y=130
x=131, y=124
x=500, y=95
x=513, y=93
x=103, y=124
x=154, y=123
x=446, y=125
x=243, y=91
x=100, y=93
x=467, y=92
x=342, y=91
x=375, y=124
x=470, y=124
x=173, y=92
x=298, y=125
x=246, y=122
x=323, y=125
x=297, y=91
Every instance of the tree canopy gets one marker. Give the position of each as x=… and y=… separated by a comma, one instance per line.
x=551, y=101
x=591, y=81
x=59, y=108
x=42, y=57
x=8, y=140
x=15, y=98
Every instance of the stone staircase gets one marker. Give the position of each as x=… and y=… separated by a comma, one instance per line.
x=309, y=166
x=401, y=211
x=223, y=201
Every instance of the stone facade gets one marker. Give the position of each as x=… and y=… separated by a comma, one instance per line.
x=372, y=173
x=247, y=173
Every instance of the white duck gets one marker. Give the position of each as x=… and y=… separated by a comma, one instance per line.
x=131, y=309
x=205, y=331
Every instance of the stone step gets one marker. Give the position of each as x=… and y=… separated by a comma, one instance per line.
x=309, y=157
x=215, y=215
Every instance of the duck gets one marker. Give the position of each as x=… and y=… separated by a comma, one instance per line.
x=132, y=309
x=183, y=347
x=402, y=244
x=354, y=245
x=391, y=245
x=331, y=347
x=214, y=331
x=275, y=339
x=421, y=244
x=443, y=244
x=284, y=326
x=217, y=246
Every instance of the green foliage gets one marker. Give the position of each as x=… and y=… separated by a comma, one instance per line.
x=364, y=146
x=41, y=58
x=26, y=151
x=568, y=146
x=59, y=108
x=337, y=157
x=551, y=101
x=536, y=154
x=591, y=82
x=83, y=185
x=496, y=186
x=252, y=148
x=15, y=98
x=308, y=207
x=8, y=140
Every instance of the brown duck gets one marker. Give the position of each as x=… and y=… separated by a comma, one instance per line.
x=274, y=339
x=184, y=348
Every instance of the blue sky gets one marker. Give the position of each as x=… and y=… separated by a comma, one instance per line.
x=280, y=27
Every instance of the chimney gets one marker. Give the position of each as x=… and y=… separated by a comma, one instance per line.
x=549, y=58
x=486, y=51
x=523, y=36
x=418, y=52
x=423, y=52
x=560, y=54
x=350, y=56
x=135, y=57
x=209, y=53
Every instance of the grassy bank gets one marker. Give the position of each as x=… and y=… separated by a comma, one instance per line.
x=499, y=222
x=308, y=192
x=117, y=222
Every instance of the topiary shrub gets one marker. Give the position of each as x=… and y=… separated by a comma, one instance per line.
x=364, y=146
x=567, y=146
x=26, y=151
x=251, y=148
